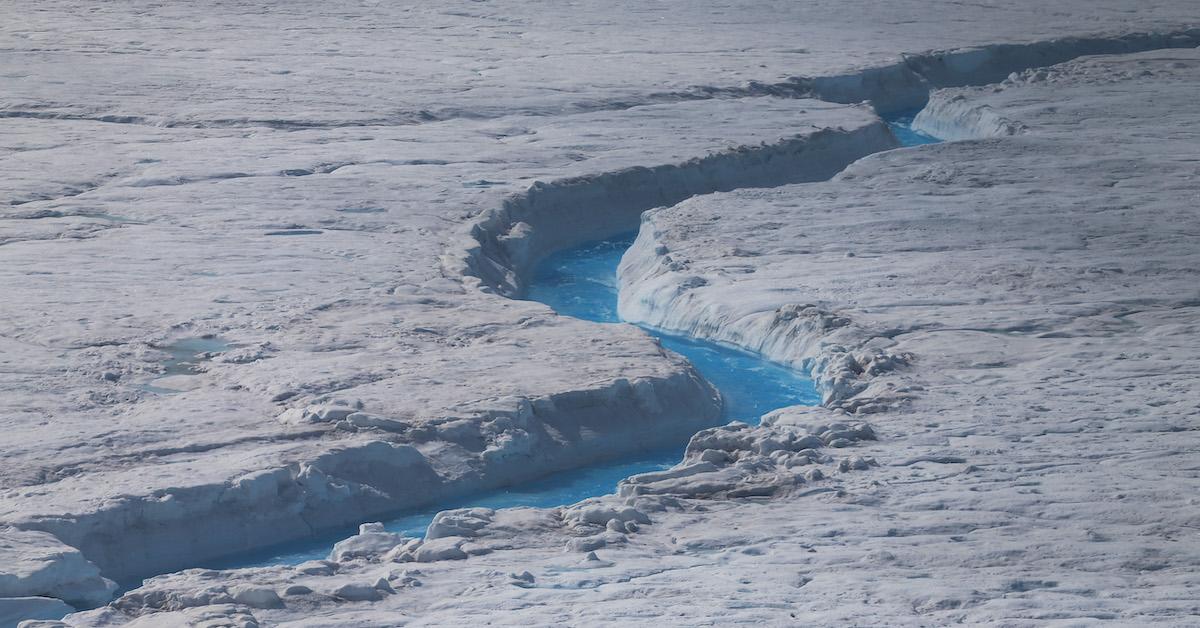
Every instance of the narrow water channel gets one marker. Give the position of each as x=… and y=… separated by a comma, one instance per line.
x=582, y=282
x=901, y=125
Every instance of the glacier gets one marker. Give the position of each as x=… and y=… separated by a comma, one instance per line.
x=263, y=268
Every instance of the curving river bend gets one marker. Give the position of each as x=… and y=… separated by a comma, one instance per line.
x=582, y=282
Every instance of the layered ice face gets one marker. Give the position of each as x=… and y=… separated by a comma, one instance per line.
x=901, y=124
x=582, y=282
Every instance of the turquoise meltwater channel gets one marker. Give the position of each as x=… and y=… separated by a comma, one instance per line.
x=582, y=282
x=901, y=124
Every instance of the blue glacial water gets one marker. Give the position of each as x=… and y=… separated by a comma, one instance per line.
x=582, y=282
x=901, y=125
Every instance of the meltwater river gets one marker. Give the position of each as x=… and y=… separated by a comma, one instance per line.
x=582, y=282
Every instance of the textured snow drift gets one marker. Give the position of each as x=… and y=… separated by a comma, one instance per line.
x=366, y=373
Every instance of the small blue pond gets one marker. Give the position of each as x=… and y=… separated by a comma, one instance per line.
x=582, y=282
x=184, y=355
x=562, y=488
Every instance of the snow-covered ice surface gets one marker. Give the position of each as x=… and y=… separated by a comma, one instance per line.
x=311, y=65
x=361, y=377
x=582, y=282
x=1039, y=288
x=249, y=294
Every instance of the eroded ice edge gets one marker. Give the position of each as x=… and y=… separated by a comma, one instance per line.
x=582, y=282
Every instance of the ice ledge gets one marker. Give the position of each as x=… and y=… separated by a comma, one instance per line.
x=133, y=536
x=36, y=564
x=972, y=60
x=842, y=357
x=506, y=243
x=954, y=117
x=907, y=83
